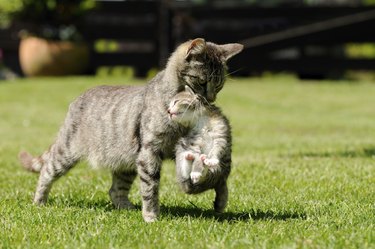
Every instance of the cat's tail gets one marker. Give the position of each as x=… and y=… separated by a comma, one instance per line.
x=30, y=163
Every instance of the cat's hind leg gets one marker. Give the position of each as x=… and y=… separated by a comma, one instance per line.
x=52, y=165
x=121, y=184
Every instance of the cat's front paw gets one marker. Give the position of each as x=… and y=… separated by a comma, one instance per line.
x=195, y=177
x=39, y=199
x=149, y=217
x=211, y=162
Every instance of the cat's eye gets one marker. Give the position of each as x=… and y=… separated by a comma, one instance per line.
x=191, y=76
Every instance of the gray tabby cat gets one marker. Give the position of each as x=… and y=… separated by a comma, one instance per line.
x=203, y=156
x=126, y=128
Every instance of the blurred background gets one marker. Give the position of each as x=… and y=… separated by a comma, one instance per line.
x=313, y=39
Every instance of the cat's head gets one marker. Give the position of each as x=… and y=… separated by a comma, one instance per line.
x=186, y=107
x=202, y=65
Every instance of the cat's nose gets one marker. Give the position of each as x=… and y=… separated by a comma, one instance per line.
x=211, y=97
x=169, y=110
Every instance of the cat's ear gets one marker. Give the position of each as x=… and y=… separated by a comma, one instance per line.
x=196, y=46
x=229, y=50
x=189, y=90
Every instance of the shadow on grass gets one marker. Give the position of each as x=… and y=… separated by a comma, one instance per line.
x=195, y=212
x=366, y=152
x=179, y=211
x=81, y=203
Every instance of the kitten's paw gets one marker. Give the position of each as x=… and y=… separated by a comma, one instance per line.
x=195, y=177
x=189, y=156
x=212, y=162
x=203, y=157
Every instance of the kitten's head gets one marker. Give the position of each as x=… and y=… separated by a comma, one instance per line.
x=201, y=65
x=186, y=107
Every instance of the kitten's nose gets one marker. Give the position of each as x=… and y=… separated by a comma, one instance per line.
x=169, y=110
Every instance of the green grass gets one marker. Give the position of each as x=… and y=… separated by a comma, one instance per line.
x=303, y=173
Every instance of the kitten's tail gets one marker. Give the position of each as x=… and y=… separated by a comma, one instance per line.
x=30, y=163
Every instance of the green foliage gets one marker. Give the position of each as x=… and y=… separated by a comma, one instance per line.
x=303, y=173
x=360, y=50
x=53, y=19
x=6, y=10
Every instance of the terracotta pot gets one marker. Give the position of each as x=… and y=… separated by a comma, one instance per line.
x=40, y=57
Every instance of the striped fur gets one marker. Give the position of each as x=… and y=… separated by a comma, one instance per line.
x=203, y=156
x=126, y=128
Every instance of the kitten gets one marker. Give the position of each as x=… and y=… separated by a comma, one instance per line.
x=203, y=156
x=126, y=128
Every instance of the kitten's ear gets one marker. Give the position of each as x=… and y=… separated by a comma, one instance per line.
x=230, y=50
x=196, y=46
x=189, y=90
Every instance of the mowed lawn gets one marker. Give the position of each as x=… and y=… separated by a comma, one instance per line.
x=303, y=173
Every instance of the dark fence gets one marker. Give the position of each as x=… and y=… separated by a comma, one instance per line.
x=306, y=40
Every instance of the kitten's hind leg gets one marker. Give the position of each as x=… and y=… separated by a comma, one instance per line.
x=184, y=162
x=221, y=198
x=55, y=163
x=198, y=171
x=119, y=192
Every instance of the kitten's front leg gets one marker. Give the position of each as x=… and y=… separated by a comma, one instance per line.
x=149, y=165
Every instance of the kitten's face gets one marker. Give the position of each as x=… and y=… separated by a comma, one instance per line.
x=185, y=108
x=204, y=66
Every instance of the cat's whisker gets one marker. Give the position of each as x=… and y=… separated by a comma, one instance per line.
x=212, y=73
x=235, y=71
x=205, y=101
x=232, y=80
x=201, y=109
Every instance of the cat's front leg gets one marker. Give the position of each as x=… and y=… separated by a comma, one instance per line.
x=149, y=165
